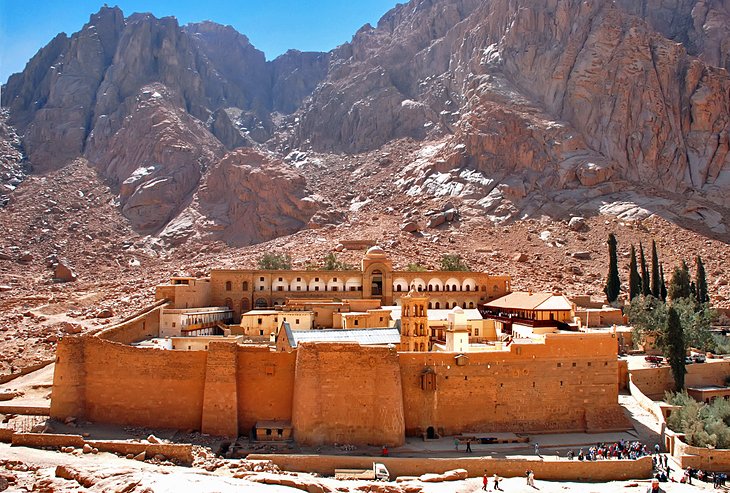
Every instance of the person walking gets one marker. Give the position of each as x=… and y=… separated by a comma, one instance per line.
x=531, y=478
x=468, y=445
x=485, y=481
x=496, y=483
x=537, y=449
x=456, y=444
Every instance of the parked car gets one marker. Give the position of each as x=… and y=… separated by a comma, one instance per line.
x=655, y=360
x=688, y=360
x=699, y=358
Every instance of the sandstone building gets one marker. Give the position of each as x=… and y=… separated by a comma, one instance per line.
x=243, y=290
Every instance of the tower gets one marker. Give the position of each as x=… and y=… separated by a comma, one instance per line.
x=414, y=329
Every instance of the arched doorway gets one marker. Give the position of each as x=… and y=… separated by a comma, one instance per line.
x=261, y=303
x=245, y=305
x=430, y=433
x=376, y=283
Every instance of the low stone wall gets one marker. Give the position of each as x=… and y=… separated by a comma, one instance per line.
x=553, y=470
x=24, y=371
x=25, y=410
x=6, y=435
x=37, y=440
x=182, y=453
x=647, y=404
x=143, y=324
x=716, y=460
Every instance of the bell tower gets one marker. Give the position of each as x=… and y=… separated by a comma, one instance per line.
x=414, y=329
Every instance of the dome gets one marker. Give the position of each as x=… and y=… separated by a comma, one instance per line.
x=375, y=252
x=457, y=309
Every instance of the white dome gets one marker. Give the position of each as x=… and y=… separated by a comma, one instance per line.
x=375, y=252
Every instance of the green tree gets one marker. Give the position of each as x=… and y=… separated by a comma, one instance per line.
x=701, y=282
x=414, y=267
x=648, y=317
x=696, y=323
x=453, y=262
x=679, y=285
x=634, y=276
x=331, y=262
x=676, y=351
x=645, y=282
x=656, y=287
x=613, y=282
x=664, y=284
x=275, y=261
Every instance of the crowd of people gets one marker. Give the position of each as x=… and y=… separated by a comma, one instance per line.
x=622, y=449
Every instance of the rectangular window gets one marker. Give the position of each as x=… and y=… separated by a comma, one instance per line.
x=356, y=322
x=280, y=279
x=334, y=279
x=316, y=279
x=261, y=288
x=316, y=288
x=334, y=288
x=261, y=332
x=173, y=324
x=261, y=279
x=353, y=288
x=260, y=321
x=476, y=332
x=296, y=321
x=299, y=288
x=299, y=279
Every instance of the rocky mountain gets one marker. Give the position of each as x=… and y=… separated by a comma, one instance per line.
x=520, y=109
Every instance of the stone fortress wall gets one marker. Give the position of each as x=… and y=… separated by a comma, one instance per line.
x=344, y=393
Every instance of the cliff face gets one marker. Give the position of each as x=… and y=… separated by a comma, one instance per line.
x=548, y=87
x=533, y=97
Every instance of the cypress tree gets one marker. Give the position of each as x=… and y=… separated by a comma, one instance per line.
x=701, y=283
x=655, y=283
x=679, y=286
x=634, y=277
x=613, y=283
x=664, y=284
x=645, y=283
x=675, y=347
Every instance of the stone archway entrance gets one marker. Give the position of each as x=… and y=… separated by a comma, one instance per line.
x=376, y=283
x=430, y=433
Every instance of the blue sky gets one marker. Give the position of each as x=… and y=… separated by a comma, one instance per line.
x=273, y=26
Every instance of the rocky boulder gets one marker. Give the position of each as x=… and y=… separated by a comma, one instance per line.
x=248, y=198
x=63, y=272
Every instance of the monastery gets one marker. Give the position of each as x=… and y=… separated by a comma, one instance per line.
x=231, y=354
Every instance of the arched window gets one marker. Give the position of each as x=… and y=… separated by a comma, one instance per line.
x=397, y=287
x=228, y=285
x=437, y=305
x=437, y=287
x=453, y=287
x=468, y=288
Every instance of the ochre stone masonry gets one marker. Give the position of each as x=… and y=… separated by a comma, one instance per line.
x=343, y=393
x=244, y=290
